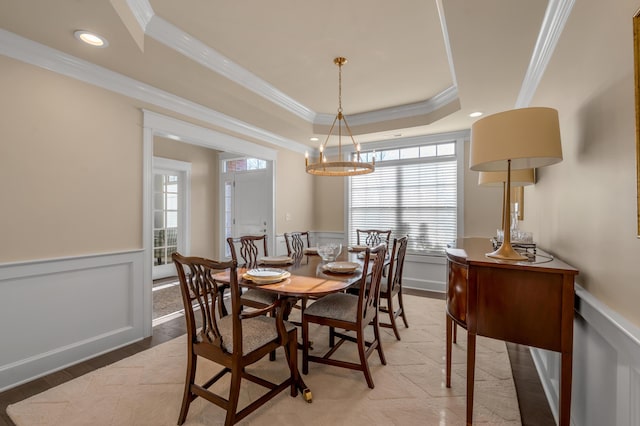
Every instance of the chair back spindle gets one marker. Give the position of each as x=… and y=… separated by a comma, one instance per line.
x=373, y=237
x=296, y=243
x=370, y=283
x=250, y=249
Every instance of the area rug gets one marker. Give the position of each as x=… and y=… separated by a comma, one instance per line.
x=146, y=388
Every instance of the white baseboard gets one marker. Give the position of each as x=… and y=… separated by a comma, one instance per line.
x=58, y=312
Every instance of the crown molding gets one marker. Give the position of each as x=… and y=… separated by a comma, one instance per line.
x=176, y=129
x=180, y=41
x=25, y=50
x=555, y=18
x=194, y=49
x=142, y=11
x=397, y=112
x=457, y=135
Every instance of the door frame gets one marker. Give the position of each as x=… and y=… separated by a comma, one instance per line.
x=155, y=124
x=183, y=169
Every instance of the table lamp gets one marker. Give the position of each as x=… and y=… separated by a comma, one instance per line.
x=524, y=177
x=517, y=139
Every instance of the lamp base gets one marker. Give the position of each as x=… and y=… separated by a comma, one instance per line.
x=506, y=252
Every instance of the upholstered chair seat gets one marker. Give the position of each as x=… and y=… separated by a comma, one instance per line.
x=256, y=332
x=339, y=306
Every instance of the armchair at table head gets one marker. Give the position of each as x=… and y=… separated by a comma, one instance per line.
x=234, y=341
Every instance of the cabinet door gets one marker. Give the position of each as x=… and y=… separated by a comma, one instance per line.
x=457, y=291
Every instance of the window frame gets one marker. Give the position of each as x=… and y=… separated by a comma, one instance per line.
x=458, y=138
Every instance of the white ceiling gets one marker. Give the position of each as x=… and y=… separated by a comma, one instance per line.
x=415, y=67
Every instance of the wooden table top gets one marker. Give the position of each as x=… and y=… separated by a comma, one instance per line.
x=308, y=277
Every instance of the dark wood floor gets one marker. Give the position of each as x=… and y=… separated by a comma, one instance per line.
x=534, y=408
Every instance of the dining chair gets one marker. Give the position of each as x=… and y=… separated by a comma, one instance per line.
x=373, y=237
x=392, y=287
x=234, y=341
x=349, y=312
x=247, y=251
x=296, y=243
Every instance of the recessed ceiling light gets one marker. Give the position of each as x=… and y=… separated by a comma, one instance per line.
x=90, y=38
x=314, y=139
x=475, y=114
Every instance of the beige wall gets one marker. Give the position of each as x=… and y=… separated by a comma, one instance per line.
x=482, y=205
x=204, y=192
x=70, y=167
x=329, y=209
x=294, y=194
x=584, y=208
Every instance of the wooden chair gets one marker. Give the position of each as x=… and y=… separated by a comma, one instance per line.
x=350, y=313
x=373, y=237
x=296, y=243
x=392, y=286
x=234, y=341
x=247, y=251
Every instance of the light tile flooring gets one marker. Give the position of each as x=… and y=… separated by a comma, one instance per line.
x=146, y=388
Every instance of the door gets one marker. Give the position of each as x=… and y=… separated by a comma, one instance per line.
x=249, y=203
x=170, y=214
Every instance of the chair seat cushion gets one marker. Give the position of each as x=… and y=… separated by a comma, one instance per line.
x=259, y=296
x=340, y=306
x=256, y=332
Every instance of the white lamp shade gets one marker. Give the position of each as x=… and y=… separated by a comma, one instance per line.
x=523, y=177
x=529, y=137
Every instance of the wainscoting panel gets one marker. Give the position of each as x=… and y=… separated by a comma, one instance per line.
x=606, y=367
x=55, y=313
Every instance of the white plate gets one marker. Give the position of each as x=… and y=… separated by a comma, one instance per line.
x=267, y=280
x=276, y=260
x=341, y=267
x=265, y=272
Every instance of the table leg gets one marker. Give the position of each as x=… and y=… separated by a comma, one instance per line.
x=471, y=367
x=565, y=389
x=286, y=306
x=448, y=355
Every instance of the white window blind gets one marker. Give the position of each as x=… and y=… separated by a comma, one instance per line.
x=417, y=198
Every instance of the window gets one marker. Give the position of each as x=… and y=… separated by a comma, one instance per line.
x=244, y=164
x=413, y=191
x=165, y=218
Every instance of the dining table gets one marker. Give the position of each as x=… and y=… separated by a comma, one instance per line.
x=310, y=277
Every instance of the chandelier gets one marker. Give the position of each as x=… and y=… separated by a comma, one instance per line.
x=339, y=168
